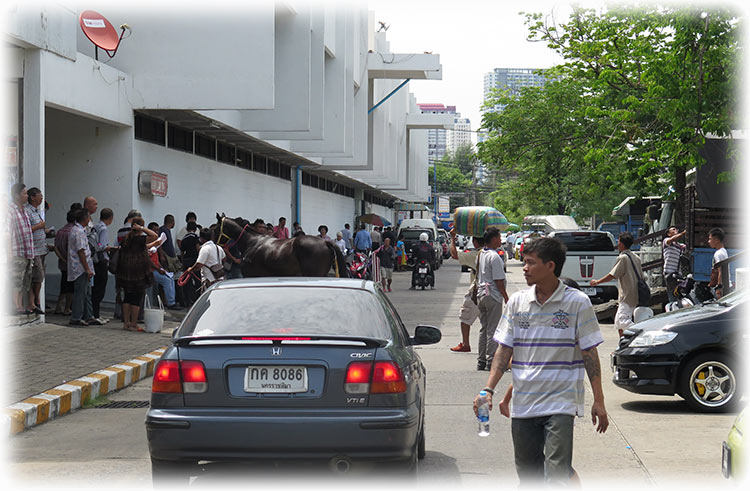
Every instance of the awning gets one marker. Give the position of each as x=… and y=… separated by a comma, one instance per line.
x=403, y=206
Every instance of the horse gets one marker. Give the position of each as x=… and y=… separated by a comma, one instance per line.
x=263, y=255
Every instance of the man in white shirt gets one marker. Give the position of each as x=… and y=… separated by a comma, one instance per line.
x=551, y=333
x=716, y=240
x=490, y=295
x=209, y=256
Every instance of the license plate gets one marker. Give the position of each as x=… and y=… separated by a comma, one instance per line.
x=726, y=460
x=276, y=379
x=589, y=291
x=422, y=270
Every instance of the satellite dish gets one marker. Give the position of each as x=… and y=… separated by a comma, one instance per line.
x=99, y=31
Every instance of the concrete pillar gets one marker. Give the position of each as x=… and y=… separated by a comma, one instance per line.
x=33, y=128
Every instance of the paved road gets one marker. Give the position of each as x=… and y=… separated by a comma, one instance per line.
x=652, y=440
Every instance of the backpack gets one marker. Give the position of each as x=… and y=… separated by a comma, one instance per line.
x=92, y=237
x=644, y=292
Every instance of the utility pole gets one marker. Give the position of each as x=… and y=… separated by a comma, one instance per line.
x=473, y=182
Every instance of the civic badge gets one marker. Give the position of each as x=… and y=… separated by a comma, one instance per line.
x=276, y=351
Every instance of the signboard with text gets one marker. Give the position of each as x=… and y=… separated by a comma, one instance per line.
x=152, y=183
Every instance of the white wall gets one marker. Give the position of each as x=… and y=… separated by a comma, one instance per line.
x=324, y=208
x=207, y=187
x=86, y=157
x=193, y=57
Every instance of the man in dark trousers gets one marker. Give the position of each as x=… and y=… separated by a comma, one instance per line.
x=423, y=251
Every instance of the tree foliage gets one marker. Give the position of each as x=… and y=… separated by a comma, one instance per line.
x=628, y=110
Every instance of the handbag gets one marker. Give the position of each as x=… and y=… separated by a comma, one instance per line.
x=218, y=268
x=114, y=259
x=644, y=293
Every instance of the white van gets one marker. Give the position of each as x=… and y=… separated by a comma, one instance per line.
x=424, y=223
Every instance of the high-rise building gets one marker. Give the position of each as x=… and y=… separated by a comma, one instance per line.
x=437, y=139
x=460, y=135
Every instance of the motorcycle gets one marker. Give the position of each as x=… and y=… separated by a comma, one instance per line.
x=688, y=293
x=359, y=266
x=423, y=276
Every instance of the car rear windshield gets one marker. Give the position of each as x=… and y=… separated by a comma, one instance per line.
x=413, y=233
x=585, y=241
x=287, y=311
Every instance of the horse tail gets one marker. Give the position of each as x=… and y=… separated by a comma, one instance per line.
x=339, y=265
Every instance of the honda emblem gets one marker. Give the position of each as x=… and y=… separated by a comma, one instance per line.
x=276, y=351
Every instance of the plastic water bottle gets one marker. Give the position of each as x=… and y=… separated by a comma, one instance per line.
x=483, y=414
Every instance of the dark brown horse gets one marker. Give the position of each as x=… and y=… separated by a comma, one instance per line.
x=263, y=255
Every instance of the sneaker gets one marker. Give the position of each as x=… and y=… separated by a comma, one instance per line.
x=481, y=366
x=78, y=323
x=412, y=288
x=37, y=310
x=461, y=348
x=174, y=306
x=94, y=322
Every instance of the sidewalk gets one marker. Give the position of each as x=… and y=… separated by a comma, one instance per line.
x=44, y=356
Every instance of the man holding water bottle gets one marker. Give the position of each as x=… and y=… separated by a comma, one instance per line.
x=551, y=332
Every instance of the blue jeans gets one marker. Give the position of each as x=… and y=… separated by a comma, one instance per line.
x=82, y=309
x=168, y=284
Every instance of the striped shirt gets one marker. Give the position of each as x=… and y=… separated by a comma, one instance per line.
x=39, y=235
x=671, y=255
x=21, y=239
x=547, y=340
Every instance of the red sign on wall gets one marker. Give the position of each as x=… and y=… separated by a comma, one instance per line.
x=153, y=183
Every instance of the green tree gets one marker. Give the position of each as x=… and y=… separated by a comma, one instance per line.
x=657, y=80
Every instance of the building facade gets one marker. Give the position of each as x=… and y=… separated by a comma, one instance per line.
x=265, y=111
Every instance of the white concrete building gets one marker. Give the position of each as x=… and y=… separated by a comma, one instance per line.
x=460, y=135
x=263, y=111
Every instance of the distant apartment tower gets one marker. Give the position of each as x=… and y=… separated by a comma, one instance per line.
x=437, y=140
x=460, y=135
x=512, y=79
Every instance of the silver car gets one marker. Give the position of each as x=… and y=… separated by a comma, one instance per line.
x=315, y=369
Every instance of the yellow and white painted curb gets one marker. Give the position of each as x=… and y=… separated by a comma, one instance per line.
x=72, y=395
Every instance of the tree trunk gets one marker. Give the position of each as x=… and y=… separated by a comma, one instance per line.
x=679, y=205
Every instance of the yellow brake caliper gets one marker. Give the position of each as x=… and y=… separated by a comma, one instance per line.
x=700, y=387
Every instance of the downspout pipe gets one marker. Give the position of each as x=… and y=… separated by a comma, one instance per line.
x=388, y=96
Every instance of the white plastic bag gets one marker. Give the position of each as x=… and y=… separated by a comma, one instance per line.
x=153, y=318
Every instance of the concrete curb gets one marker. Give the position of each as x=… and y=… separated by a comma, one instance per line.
x=72, y=395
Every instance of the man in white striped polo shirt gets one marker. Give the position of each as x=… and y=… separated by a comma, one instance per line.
x=551, y=333
x=671, y=252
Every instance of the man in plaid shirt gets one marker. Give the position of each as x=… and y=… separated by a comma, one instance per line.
x=22, y=247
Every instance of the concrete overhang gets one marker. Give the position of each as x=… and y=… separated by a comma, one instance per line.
x=418, y=121
x=195, y=121
x=399, y=65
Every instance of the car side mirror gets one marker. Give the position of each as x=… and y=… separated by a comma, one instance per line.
x=426, y=335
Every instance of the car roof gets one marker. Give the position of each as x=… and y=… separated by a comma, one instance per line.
x=297, y=281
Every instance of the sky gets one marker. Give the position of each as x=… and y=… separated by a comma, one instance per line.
x=472, y=38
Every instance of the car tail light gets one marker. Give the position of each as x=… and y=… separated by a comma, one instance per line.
x=193, y=377
x=387, y=378
x=167, y=377
x=172, y=376
x=358, y=377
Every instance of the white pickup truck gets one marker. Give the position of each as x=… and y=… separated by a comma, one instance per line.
x=591, y=255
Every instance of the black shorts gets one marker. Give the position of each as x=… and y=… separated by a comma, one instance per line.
x=133, y=297
x=65, y=285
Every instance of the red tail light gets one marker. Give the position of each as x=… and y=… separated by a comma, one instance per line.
x=172, y=376
x=167, y=377
x=387, y=378
x=358, y=376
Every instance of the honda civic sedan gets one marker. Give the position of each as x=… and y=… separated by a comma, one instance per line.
x=694, y=352
x=279, y=369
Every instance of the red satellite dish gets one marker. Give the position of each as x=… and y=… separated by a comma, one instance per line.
x=98, y=29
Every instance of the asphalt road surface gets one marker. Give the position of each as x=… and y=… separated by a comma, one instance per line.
x=652, y=440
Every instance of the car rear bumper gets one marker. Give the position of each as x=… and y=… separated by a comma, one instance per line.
x=246, y=434
x=645, y=375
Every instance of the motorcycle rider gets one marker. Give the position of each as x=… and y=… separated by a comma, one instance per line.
x=423, y=252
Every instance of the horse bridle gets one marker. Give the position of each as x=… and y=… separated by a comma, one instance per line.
x=230, y=241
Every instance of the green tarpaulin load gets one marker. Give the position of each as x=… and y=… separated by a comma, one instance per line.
x=474, y=220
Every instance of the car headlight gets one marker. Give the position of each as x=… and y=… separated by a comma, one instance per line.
x=653, y=338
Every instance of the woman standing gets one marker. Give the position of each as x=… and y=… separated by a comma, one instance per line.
x=400, y=253
x=134, y=271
